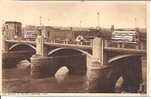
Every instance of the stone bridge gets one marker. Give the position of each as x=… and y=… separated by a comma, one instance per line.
x=109, y=63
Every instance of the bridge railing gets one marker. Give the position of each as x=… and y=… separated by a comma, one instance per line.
x=86, y=43
x=71, y=42
x=107, y=43
x=130, y=45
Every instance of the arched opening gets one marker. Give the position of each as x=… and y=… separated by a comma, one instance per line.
x=73, y=59
x=22, y=46
x=126, y=69
x=22, y=53
x=72, y=49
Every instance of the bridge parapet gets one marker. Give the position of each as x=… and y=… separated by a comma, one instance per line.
x=84, y=43
x=107, y=43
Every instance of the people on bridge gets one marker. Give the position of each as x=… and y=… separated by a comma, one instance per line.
x=79, y=39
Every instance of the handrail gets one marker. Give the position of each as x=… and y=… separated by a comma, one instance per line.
x=107, y=43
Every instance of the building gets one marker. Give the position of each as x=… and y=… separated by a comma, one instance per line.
x=142, y=36
x=49, y=33
x=56, y=33
x=90, y=33
x=12, y=29
x=30, y=32
x=124, y=35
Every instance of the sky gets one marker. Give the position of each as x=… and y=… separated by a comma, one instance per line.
x=75, y=14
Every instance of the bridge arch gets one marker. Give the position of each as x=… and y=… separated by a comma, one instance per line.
x=23, y=51
x=79, y=50
x=22, y=44
x=74, y=59
x=128, y=67
x=119, y=57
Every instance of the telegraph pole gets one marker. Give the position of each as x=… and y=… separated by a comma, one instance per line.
x=80, y=23
x=48, y=21
x=98, y=19
x=40, y=20
x=135, y=22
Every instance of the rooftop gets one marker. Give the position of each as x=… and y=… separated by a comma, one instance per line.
x=7, y=22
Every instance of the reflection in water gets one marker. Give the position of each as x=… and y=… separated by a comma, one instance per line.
x=61, y=74
x=118, y=85
x=24, y=64
x=19, y=80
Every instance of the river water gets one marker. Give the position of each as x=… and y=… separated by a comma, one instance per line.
x=18, y=80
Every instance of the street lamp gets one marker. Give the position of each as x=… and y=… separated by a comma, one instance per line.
x=98, y=20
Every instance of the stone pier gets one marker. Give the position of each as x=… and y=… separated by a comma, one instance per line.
x=97, y=73
x=40, y=66
x=40, y=62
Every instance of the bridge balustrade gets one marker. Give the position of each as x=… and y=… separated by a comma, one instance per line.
x=107, y=43
x=88, y=43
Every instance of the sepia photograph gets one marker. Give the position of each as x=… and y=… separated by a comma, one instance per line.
x=74, y=47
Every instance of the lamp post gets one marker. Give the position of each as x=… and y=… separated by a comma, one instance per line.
x=98, y=20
